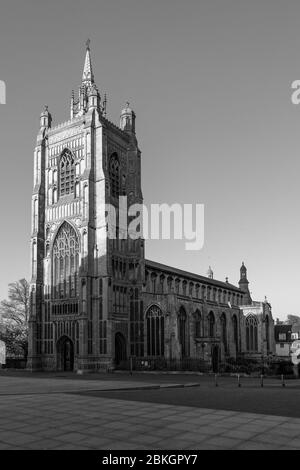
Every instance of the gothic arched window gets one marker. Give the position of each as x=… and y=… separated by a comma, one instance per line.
x=155, y=331
x=65, y=261
x=197, y=319
x=114, y=174
x=224, y=331
x=66, y=173
x=235, y=331
x=251, y=333
x=211, y=325
x=161, y=283
x=182, y=331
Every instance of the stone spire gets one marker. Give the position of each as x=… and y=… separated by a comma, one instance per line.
x=87, y=75
x=88, y=96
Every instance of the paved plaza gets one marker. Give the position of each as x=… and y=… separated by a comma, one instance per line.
x=72, y=413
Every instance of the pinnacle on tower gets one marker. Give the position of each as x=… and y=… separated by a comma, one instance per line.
x=87, y=75
x=244, y=285
x=88, y=94
x=45, y=118
x=127, y=119
x=210, y=273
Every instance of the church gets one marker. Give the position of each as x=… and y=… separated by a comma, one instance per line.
x=96, y=302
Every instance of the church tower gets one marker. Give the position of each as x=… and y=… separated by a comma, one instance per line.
x=86, y=274
x=244, y=285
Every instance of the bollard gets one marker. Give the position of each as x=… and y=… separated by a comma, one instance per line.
x=239, y=381
x=216, y=380
x=282, y=381
x=261, y=380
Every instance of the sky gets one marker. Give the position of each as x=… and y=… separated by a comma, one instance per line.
x=210, y=82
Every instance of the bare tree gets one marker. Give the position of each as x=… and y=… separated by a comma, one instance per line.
x=14, y=313
x=16, y=308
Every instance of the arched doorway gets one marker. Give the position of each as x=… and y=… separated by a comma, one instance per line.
x=215, y=358
x=65, y=354
x=120, y=349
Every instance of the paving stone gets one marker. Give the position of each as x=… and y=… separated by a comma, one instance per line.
x=253, y=445
x=224, y=442
x=72, y=437
x=194, y=436
x=61, y=421
x=173, y=444
x=293, y=442
x=43, y=444
x=238, y=434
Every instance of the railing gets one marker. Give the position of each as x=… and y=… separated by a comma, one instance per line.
x=16, y=362
x=163, y=364
x=229, y=366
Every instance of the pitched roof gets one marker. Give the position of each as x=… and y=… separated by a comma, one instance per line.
x=191, y=276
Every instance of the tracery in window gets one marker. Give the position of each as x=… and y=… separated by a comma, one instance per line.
x=235, y=331
x=197, y=320
x=251, y=333
x=66, y=173
x=182, y=331
x=211, y=325
x=155, y=331
x=224, y=330
x=65, y=261
x=114, y=174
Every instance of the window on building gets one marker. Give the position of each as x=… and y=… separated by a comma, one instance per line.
x=235, y=331
x=169, y=282
x=211, y=325
x=66, y=173
x=182, y=331
x=153, y=283
x=224, y=331
x=35, y=215
x=65, y=261
x=161, y=283
x=251, y=334
x=114, y=174
x=197, y=319
x=155, y=331
x=34, y=258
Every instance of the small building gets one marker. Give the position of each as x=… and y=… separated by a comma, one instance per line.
x=283, y=340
